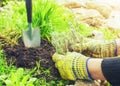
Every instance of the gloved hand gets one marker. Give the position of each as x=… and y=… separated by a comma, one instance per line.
x=97, y=48
x=90, y=47
x=72, y=66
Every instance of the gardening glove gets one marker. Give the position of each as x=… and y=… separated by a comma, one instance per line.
x=72, y=66
x=74, y=41
x=92, y=47
x=97, y=48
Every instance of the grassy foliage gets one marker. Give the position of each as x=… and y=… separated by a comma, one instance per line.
x=56, y=82
x=4, y=68
x=49, y=16
x=9, y=37
x=13, y=16
x=86, y=30
x=18, y=78
x=42, y=10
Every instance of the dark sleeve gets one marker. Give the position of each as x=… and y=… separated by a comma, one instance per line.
x=111, y=70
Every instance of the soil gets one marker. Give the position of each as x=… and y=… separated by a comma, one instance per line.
x=24, y=57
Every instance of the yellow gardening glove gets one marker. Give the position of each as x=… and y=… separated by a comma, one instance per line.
x=97, y=48
x=72, y=66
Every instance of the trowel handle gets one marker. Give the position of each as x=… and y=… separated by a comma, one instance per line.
x=29, y=10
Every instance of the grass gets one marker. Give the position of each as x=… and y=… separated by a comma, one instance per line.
x=53, y=17
x=13, y=16
x=18, y=78
x=42, y=10
x=86, y=30
x=4, y=68
x=49, y=17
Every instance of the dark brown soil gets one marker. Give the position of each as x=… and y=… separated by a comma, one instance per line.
x=27, y=57
x=20, y=56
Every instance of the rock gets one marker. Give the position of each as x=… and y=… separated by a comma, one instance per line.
x=118, y=35
x=115, y=4
x=114, y=20
x=103, y=8
x=71, y=1
x=74, y=5
x=96, y=13
x=90, y=16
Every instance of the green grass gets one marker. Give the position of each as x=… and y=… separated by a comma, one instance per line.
x=4, y=68
x=13, y=16
x=86, y=30
x=18, y=78
x=49, y=17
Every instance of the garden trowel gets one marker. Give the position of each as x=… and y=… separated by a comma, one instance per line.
x=31, y=37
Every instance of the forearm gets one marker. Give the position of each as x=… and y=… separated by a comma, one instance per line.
x=94, y=68
x=105, y=69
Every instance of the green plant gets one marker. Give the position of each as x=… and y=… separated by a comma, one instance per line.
x=49, y=16
x=9, y=37
x=5, y=2
x=4, y=68
x=18, y=79
x=42, y=9
x=56, y=82
x=13, y=16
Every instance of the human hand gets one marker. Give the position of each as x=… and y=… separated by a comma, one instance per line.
x=71, y=66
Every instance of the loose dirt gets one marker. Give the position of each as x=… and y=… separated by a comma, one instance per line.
x=24, y=57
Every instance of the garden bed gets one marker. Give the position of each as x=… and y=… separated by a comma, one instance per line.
x=23, y=57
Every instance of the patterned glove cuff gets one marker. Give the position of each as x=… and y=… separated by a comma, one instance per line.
x=79, y=67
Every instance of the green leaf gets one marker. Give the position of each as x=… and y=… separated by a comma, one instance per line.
x=2, y=77
x=31, y=81
x=13, y=78
x=19, y=73
x=24, y=80
x=9, y=83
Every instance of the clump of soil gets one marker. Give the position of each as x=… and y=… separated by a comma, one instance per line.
x=24, y=57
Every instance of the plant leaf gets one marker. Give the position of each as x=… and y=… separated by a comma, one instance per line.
x=9, y=83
